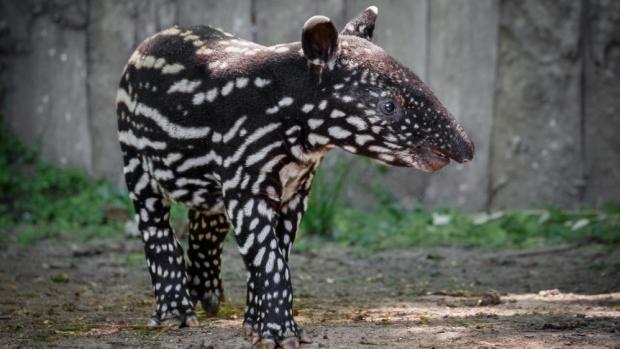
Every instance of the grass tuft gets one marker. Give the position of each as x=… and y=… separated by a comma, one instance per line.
x=391, y=226
x=39, y=200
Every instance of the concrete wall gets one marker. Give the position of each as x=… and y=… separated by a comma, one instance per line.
x=537, y=140
x=535, y=83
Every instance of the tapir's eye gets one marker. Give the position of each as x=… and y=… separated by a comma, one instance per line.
x=387, y=107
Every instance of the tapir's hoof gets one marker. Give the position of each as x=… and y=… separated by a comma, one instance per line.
x=266, y=343
x=190, y=321
x=153, y=322
x=293, y=342
x=248, y=331
x=180, y=321
x=290, y=343
x=286, y=343
x=211, y=305
x=304, y=337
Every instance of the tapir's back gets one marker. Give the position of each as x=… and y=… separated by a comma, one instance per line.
x=170, y=85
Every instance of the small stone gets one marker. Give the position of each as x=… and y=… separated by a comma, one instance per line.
x=490, y=298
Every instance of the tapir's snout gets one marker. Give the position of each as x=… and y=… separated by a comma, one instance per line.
x=462, y=148
x=457, y=146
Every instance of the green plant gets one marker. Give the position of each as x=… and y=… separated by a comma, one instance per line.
x=326, y=199
x=39, y=200
x=381, y=228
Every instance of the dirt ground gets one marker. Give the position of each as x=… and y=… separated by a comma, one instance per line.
x=97, y=295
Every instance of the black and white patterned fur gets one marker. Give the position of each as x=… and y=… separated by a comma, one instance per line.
x=235, y=131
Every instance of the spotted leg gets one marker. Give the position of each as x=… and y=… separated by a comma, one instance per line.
x=164, y=255
x=292, y=213
x=270, y=294
x=286, y=230
x=207, y=231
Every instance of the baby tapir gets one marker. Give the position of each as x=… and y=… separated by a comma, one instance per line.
x=235, y=131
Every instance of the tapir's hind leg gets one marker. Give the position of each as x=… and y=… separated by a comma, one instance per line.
x=207, y=231
x=164, y=255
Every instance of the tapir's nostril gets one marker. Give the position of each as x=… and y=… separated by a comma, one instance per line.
x=464, y=149
x=467, y=154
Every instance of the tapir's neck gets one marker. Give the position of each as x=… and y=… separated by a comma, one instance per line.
x=291, y=73
x=294, y=79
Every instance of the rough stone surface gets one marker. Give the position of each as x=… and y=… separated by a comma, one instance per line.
x=231, y=16
x=274, y=25
x=45, y=79
x=401, y=30
x=115, y=28
x=537, y=144
x=111, y=40
x=151, y=16
x=461, y=71
x=535, y=83
x=602, y=109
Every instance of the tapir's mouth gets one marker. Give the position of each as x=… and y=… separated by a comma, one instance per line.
x=430, y=158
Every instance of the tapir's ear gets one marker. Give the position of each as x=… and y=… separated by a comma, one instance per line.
x=319, y=40
x=363, y=25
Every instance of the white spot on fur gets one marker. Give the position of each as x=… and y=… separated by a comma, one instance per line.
x=184, y=86
x=170, y=31
x=315, y=139
x=204, y=51
x=227, y=88
x=258, y=259
x=338, y=132
x=285, y=102
x=314, y=123
x=247, y=244
x=363, y=139
x=198, y=99
x=307, y=108
x=211, y=94
x=172, y=68
x=241, y=82
x=263, y=233
x=357, y=122
x=272, y=110
x=131, y=166
x=350, y=149
x=260, y=82
x=336, y=114
x=270, y=262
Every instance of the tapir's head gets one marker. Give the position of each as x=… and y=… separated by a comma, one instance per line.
x=372, y=105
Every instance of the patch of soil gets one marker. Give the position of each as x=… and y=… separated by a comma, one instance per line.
x=98, y=295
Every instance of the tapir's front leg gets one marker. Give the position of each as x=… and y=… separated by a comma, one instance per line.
x=289, y=220
x=270, y=294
